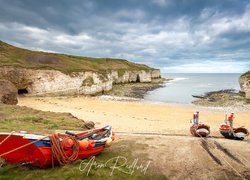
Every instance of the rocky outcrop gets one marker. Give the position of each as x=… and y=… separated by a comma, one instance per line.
x=131, y=76
x=8, y=92
x=51, y=81
x=245, y=85
x=89, y=124
x=155, y=74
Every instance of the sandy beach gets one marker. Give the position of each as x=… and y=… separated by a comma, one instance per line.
x=135, y=116
x=159, y=133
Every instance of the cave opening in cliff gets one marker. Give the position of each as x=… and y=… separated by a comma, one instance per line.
x=138, y=78
x=22, y=91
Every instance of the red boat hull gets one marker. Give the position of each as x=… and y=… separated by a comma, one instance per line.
x=238, y=133
x=38, y=152
x=200, y=130
x=81, y=155
x=29, y=154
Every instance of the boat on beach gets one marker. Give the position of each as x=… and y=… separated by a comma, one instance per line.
x=56, y=149
x=238, y=133
x=200, y=130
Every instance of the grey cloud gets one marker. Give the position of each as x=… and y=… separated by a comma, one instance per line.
x=157, y=32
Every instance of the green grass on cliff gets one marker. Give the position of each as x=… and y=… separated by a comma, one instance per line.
x=18, y=57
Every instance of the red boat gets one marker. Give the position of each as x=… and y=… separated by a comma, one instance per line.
x=200, y=130
x=47, y=151
x=238, y=133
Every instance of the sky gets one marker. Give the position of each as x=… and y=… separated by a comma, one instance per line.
x=189, y=36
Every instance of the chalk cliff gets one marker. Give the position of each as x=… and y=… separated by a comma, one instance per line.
x=37, y=73
x=38, y=82
x=245, y=85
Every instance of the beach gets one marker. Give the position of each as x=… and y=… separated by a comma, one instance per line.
x=135, y=116
x=159, y=133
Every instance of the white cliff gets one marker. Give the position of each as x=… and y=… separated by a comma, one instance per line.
x=38, y=82
x=245, y=85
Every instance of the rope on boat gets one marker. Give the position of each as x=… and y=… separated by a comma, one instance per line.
x=23, y=146
x=58, y=149
x=57, y=146
x=7, y=137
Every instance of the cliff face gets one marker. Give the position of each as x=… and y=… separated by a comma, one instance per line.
x=245, y=85
x=39, y=82
x=36, y=72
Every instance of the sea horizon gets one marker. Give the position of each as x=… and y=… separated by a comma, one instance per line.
x=184, y=85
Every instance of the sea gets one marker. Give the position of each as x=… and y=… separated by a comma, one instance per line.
x=184, y=85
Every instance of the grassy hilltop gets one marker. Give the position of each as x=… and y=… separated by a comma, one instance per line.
x=18, y=57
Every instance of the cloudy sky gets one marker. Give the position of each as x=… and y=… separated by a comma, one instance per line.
x=173, y=35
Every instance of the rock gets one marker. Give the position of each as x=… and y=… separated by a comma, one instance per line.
x=245, y=85
x=89, y=124
x=8, y=92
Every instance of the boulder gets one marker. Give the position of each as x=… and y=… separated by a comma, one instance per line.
x=89, y=124
x=8, y=92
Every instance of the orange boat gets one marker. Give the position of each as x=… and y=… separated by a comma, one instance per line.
x=200, y=130
x=47, y=151
x=238, y=133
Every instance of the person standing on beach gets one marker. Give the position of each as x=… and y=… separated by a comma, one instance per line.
x=230, y=120
x=196, y=118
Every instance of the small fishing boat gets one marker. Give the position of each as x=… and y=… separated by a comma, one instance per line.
x=200, y=130
x=238, y=133
x=56, y=149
